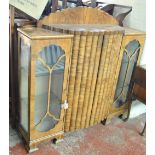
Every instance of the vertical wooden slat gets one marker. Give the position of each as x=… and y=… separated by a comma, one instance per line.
x=78, y=79
x=106, y=96
x=84, y=79
x=99, y=78
x=94, y=78
x=116, y=71
x=89, y=78
x=107, y=78
x=104, y=80
x=72, y=78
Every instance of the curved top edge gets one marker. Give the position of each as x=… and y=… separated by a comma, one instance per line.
x=78, y=15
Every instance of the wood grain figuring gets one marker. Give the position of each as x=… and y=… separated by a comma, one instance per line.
x=110, y=93
x=116, y=43
x=109, y=75
x=79, y=15
x=106, y=79
x=84, y=79
x=110, y=60
x=94, y=78
x=99, y=80
x=74, y=59
x=89, y=78
x=117, y=71
x=39, y=33
x=105, y=48
x=78, y=80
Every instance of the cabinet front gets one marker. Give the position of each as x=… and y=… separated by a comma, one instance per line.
x=49, y=81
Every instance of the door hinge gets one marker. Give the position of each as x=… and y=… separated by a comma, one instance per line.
x=65, y=105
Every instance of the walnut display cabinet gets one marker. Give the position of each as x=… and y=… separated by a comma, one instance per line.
x=44, y=58
x=75, y=70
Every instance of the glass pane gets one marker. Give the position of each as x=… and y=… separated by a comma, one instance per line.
x=129, y=61
x=132, y=64
x=24, y=65
x=56, y=88
x=122, y=95
x=132, y=46
x=49, y=83
x=123, y=70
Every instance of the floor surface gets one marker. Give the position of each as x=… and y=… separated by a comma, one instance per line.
x=116, y=138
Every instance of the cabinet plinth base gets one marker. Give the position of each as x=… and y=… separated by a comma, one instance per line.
x=58, y=140
x=33, y=149
x=33, y=145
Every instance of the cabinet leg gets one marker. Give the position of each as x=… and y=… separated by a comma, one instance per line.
x=104, y=122
x=33, y=149
x=128, y=113
x=58, y=139
x=124, y=116
x=120, y=116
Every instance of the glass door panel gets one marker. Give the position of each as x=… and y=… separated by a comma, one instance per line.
x=129, y=62
x=48, y=87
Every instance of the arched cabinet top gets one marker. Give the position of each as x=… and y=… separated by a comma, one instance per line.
x=78, y=15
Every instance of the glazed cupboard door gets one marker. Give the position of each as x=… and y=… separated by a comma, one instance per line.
x=129, y=61
x=49, y=84
x=132, y=49
x=49, y=74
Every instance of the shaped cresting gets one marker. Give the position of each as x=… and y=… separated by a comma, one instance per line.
x=49, y=81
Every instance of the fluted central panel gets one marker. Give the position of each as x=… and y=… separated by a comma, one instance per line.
x=94, y=68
